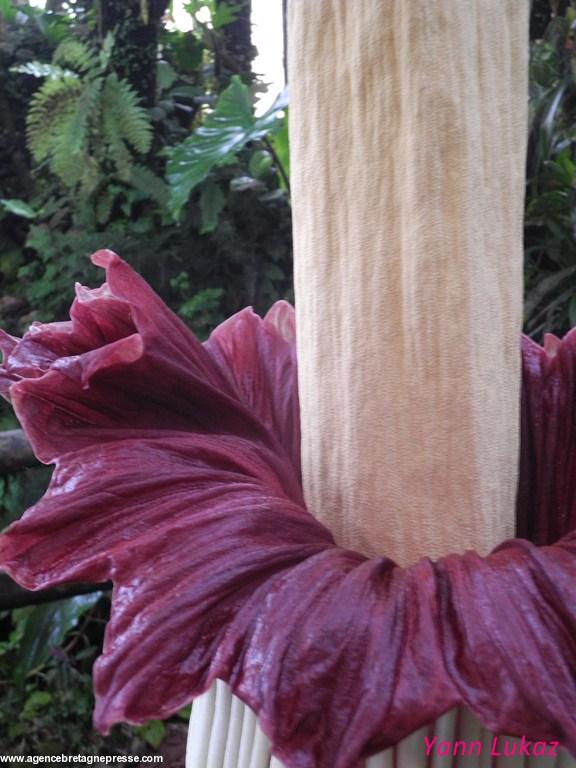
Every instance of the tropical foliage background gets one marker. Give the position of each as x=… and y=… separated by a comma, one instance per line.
x=118, y=130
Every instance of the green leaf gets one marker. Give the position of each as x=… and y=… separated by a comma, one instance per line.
x=212, y=201
x=186, y=51
x=572, y=312
x=224, y=133
x=106, y=50
x=273, y=196
x=203, y=301
x=281, y=147
x=37, y=700
x=166, y=74
x=260, y=164
x=221, y=12
x=152, y=732
x=246, y=184
x=184, y=713
x=562, y=168
x=103, y=207
x=126, y=119
x=55, y=27
x=40, y=69
x=549, y=121
x=186, y=92
x=225, y=13
x=45, y=629
x=19, y=208
x=7, y=10
x=152, y=186
x=78, y=55
x=16, y=729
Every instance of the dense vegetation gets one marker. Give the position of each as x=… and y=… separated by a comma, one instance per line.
x=550, y=225
x=119, y=131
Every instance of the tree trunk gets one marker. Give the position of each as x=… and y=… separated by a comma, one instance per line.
x=15, y=452
x=540, y=16
x=236, y=51
x=136, y=28
x=542, y=13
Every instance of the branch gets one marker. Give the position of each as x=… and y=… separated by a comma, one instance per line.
x=14, y=596
x=15, y=452
x=270, y=147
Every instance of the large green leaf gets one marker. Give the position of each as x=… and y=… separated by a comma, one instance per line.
x=152, y=732
x=212, y=201
x=281, y=145
x=45, y=627
x=7, y=10
x=41, y=69
x=224, y=133
x=18, y=208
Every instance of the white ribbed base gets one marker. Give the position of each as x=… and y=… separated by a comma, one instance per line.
x=224, y=733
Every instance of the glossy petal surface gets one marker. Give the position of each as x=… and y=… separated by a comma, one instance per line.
x=547, y=491
x=177, y=477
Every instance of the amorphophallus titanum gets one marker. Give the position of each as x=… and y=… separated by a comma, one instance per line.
x=177, y=476
x=178, y=464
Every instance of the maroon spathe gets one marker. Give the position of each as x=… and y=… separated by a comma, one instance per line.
x=177, y=477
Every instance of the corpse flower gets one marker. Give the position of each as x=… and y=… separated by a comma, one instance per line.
x=177, y=477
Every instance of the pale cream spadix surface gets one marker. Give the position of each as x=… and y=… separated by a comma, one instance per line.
x=408, y=135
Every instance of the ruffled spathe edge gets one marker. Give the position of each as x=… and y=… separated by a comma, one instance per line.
x=546, y=508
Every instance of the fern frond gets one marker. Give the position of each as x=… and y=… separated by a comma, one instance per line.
x=104, y=204
x=59, y=126
x=75, y=54
x=51, y=107
x=70, y=158
x=112, y=145
x=106, y=50
x=91, y=176
x=121, y=157
x=146, y=181
x=84, y=122
x=132, y=122
x=87, y=106
x=68, y=166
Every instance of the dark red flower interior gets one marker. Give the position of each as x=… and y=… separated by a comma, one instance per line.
x=177, y=477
